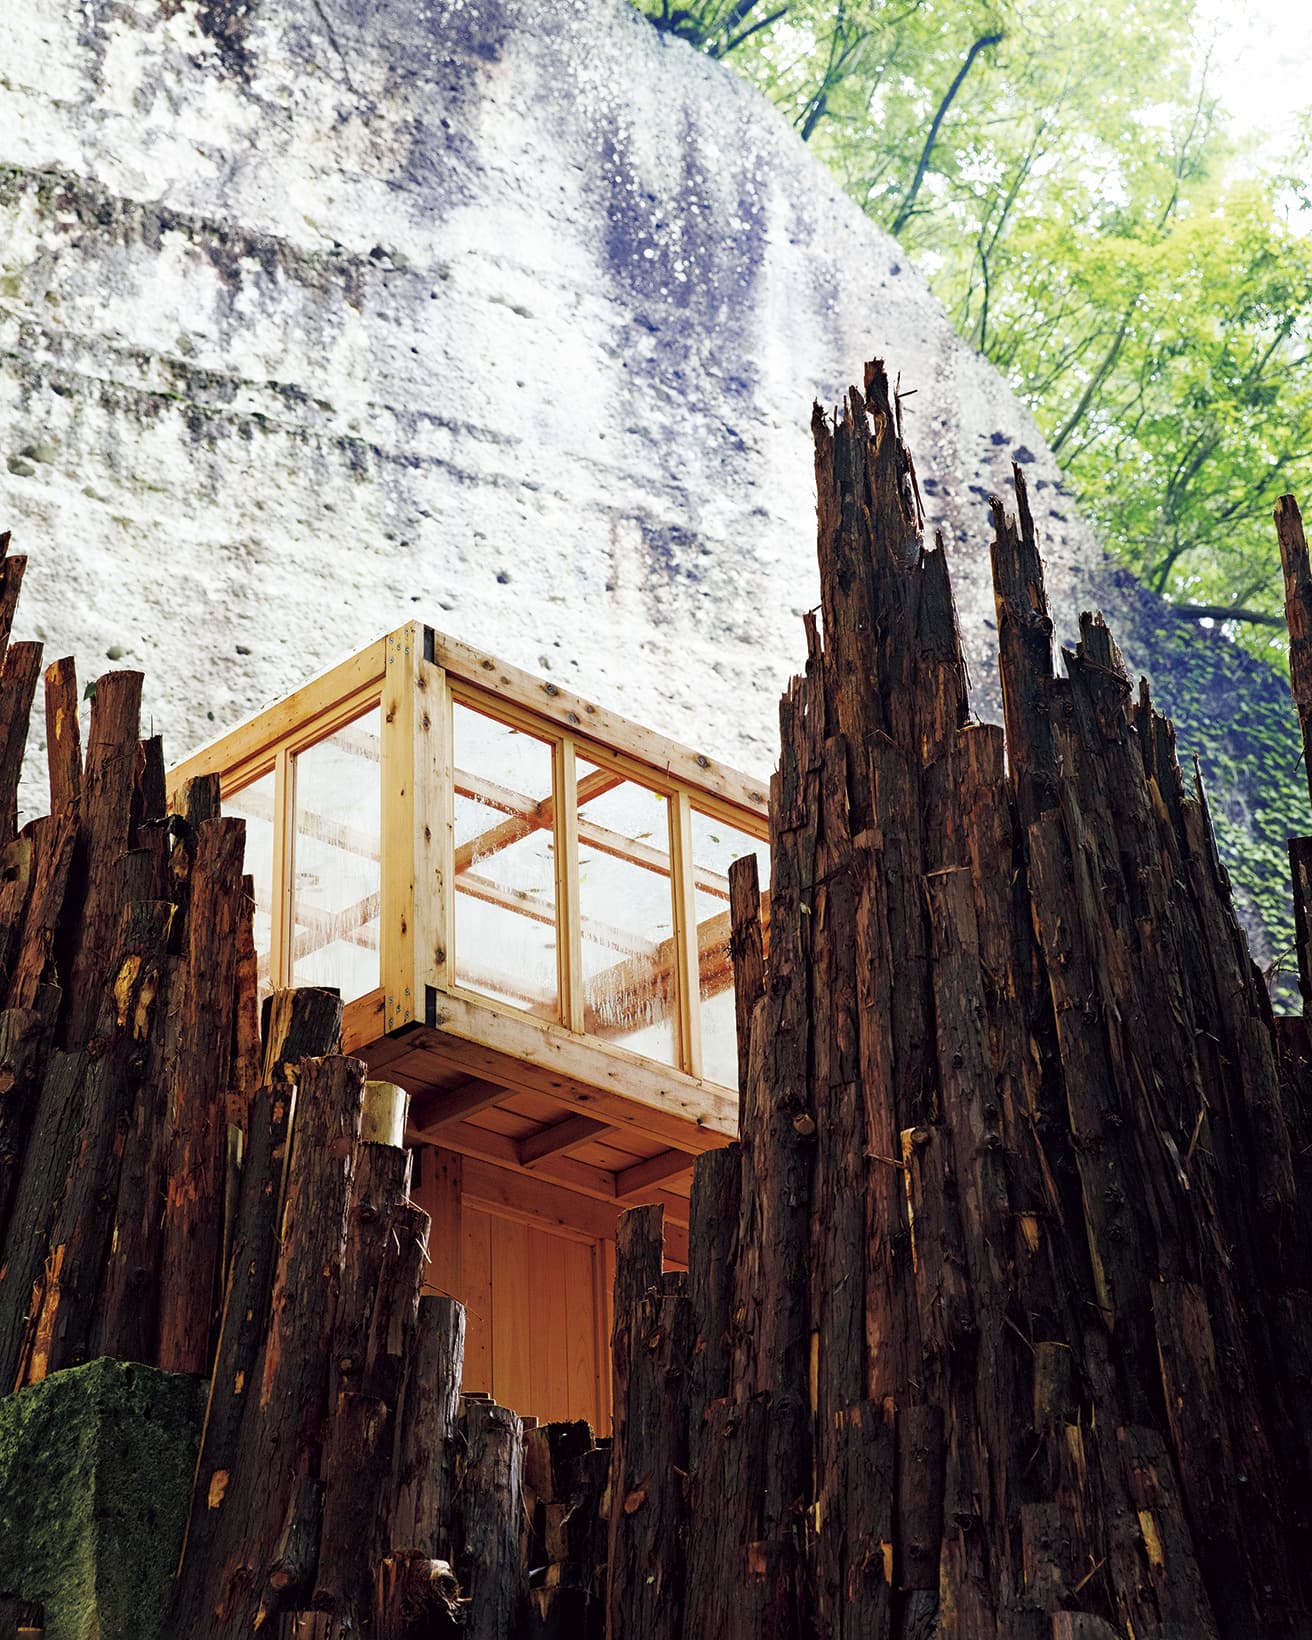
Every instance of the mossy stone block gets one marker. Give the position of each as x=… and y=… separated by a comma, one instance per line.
x=95, y=1471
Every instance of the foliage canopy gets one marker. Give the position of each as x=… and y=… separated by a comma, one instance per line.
x=1064, y=176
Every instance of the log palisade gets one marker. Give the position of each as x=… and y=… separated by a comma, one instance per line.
x=995, y=1321
x=1020, y=1230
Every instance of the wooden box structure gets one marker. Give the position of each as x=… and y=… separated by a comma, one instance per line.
x=523, y=899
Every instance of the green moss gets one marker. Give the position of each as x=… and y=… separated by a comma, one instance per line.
x=1236, y=715
x=95, y=1470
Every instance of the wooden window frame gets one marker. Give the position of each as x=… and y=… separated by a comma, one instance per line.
x=415, y=677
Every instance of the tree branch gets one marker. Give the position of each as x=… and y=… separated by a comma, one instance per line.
x=1094, y=383
x=1230, y=612
x=746, y=33
x=908, y=204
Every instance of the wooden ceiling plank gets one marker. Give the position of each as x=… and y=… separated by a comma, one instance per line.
x=531, y=1199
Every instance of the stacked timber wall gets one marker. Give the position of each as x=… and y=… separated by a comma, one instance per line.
x=997, y=1319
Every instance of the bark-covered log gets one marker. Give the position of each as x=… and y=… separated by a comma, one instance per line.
x=63, y=735
x=652, y=1345
x=772, y=1324
x=301, y=1025
x=104, y=834
x=18, y=675
x=426, y=1429
x=377, y=1308
x=416, y=1597
x=11, y=582
x=24, y=1039
x=726, y=1494
x=50, y=843
x=716, y=1181
x=204, y=1004
x=1024, y=655
x=235, y=1579
x=747, y=948
x=1298, y=616
x=59, y=1225
x=490, y=1509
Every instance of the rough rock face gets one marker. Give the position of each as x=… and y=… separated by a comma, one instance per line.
x=96, y=1466
x=316, y=315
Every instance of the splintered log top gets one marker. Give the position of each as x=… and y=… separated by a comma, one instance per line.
x=997, y=1317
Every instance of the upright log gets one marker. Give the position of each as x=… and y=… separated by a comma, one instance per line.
x=104, y=834
x=491, y=1513
x=196, y=1121
x=241, y=1578
x=377, y=1309
x=422, y=1513
x=18, y=674
x=1298, y=616
x=63, y=735
x=24, y=1039
x=11, y=582
x=50, y=846
x=716, y=1181
x=64, y=1313
x=301, y=1025
x=416, y=1598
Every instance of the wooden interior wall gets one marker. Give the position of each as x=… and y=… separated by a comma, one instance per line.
x=537, y=1299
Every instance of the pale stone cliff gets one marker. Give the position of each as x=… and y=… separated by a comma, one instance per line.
x=317, y=315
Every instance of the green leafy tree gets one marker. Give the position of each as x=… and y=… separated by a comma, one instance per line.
x=1058, y=172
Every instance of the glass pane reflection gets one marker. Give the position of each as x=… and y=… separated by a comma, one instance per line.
x=254, y=805
x=335, y=869
x=627, y=914
x=505, y=864
x=715, y=846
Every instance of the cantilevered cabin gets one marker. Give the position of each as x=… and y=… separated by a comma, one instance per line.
x=524, y=901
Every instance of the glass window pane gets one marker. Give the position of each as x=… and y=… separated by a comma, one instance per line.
x=505, y=864
x=715, y=846
x=335, y=871
x=254, y=805
x=627, y=914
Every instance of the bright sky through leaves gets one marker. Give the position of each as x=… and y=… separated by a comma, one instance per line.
x=1264, y=54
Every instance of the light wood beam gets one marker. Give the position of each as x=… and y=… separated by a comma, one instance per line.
x=598, y=1182
x=526, y=814
x=560, y=1139
x=493, y=680
x=434, y=1112
x=524, y=1055
x=255, y=805
x=642, y=1175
